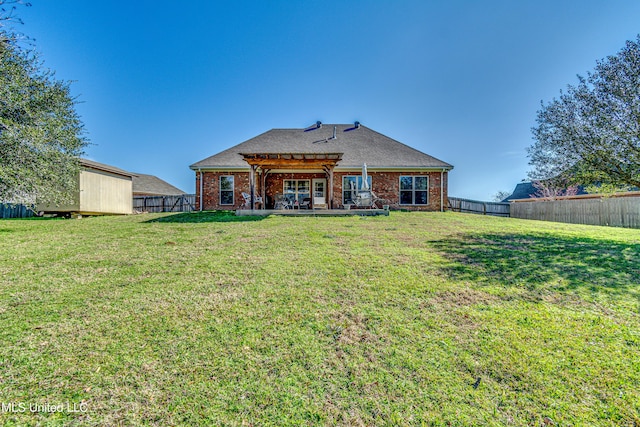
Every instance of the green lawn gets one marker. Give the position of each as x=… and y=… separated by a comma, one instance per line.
x=411, y=319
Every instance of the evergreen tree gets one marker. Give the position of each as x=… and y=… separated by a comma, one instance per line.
x=41, y=134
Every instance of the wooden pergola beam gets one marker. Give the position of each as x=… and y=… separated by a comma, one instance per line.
x=292, y=160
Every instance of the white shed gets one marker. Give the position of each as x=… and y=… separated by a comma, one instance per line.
x=103, y=190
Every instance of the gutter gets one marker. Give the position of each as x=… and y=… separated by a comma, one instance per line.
x=201, y=187
x=345, y=168
x=91, y=165
x=340, y=168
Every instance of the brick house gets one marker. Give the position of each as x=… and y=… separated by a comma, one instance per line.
x=323, y=163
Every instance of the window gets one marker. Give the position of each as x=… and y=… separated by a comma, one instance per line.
x=226, y=190
x=296, y=190
x=350, y=187
x=414, y=190
x=318, y=188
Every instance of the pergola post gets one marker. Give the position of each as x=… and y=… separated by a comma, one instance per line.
x=329, y=171
x=263, y=185
x=252, y=185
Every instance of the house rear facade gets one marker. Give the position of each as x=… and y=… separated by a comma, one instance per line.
x=322, y=163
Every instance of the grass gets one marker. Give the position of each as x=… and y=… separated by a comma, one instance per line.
x=412, y=319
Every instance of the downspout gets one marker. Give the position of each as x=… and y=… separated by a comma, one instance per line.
x=201, y=187
x=442, y=190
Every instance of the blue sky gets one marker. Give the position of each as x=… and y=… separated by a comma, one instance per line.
x=165, y=84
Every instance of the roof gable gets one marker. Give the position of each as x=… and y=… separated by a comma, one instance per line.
x=357, y=145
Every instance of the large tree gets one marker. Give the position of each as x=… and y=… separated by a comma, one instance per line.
x=591, y=133
x=41, y=134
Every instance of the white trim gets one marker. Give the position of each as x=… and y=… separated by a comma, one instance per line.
x=222, y=169
x=319, y=171
x=233, y=190
x=297, y=193
x=413, y=190
x=342, y=189
x=336, y=169
x=324, y=188
x=201, y=188
x=391, y=168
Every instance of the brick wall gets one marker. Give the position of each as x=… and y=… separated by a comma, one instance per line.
x=385, y=185
x=211, y=190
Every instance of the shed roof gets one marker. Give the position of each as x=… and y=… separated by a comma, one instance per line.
x=357, y=145
x=90, y=164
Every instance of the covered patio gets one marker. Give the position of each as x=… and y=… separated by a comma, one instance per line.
x=311, y=176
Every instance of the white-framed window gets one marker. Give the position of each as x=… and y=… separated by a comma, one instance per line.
x=226, y=190
x=296, y=190
x=414, y=190
x=351, y=184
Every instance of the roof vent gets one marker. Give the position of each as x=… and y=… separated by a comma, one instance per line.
x=334, y=132
x=318, y=124
x=356, y=125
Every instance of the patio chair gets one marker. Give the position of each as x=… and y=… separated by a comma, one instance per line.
x=364, y=199
x=377, y=202
x=281, y=202
x=368, y=199
x=319, y=203
x=306, y=203
x=247, y=200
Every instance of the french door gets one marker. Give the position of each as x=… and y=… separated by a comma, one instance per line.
x=319, y=186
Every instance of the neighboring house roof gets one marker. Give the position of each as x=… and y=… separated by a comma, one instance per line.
x=357, y=144
x=106, y=168
x=152, y=185
x=523, y=190
x=526, y=190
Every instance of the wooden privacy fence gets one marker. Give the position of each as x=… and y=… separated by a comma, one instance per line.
x=180, y=203
x=618, y=210
x=9, y=210
x=457, y=204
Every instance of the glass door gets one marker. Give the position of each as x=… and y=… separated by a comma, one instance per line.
x=319, y=191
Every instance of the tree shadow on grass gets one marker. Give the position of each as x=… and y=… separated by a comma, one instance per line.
x=544, y=262
x=202, y=217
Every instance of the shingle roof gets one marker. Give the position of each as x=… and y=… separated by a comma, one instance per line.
x=150, y=184
x=526, y=190
x=523, y=190
x=358, y=145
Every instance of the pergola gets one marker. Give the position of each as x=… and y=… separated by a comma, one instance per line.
x=269, y=161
